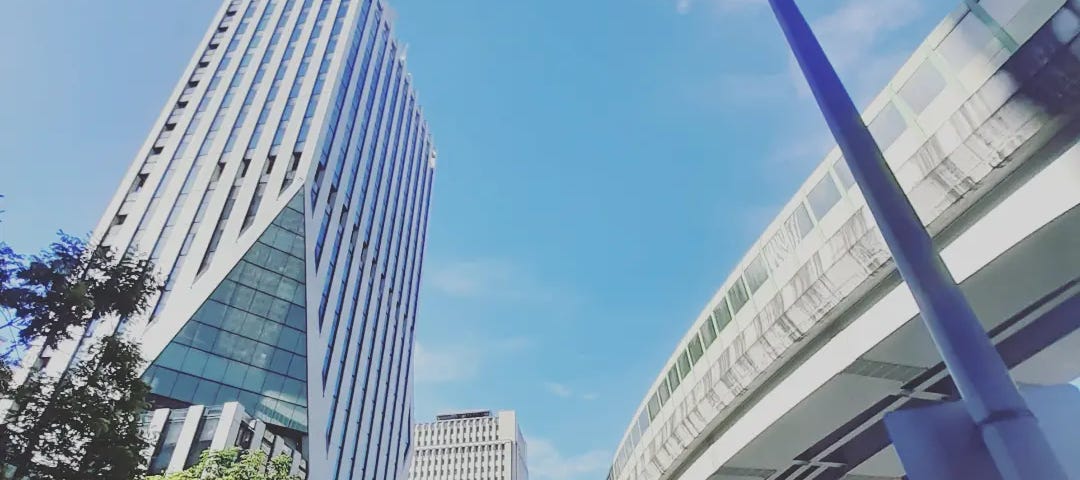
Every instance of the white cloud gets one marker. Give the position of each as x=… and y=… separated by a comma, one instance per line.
x=547, y=463
x=558, y=389
x=470, y=278
x=492, y=279
x=562, y=391
x=852, y=36
x=446, y=364
x=851, y=32
x=510, y=344
x=857, y=35
x=751, y=92
x=685, y=6
x=463, y=360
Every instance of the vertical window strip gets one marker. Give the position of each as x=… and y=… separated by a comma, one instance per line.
x=320, y=170
x=392, y=73
x=407, y=161
x=355, y=222
x=320, y=80
x=390, y=239
x=384, y=94
x=341, y=146
x=346, y=205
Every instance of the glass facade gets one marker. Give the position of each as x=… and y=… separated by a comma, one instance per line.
x=248, y=341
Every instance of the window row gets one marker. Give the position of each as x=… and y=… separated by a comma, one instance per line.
x=220, y=364
x=490, y=449
x=213, y=317
x=274, y=404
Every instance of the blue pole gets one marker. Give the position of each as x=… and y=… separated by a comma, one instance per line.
x=1011, y=433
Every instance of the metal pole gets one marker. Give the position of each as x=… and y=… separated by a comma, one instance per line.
x=1011, y=433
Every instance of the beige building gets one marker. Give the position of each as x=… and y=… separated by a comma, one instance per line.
x=472, y=445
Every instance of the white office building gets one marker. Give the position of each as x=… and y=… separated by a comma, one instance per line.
x=474, y=445
x=283, y=194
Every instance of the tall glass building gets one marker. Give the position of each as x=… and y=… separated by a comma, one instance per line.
x=283, y=193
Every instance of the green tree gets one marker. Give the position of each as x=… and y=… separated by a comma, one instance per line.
x=235, y=464
x=84, y=424
x=69, y=286
x=9, y=263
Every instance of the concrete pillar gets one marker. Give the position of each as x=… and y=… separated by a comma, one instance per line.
x=186, y=438
x=232, y=415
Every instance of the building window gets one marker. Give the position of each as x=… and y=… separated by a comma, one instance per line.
x=1003, y=10
x=140, y=181
x=823, y=196
x=965, y=42
x=923, y=87
x=707, y=332
x=737, y=295
x=694, y=348
x=203, y=436
x=799, y=222
x=673, y=377
x=843, y=173
x=684, y=364
x=721, y=315
x=887, y=126
x=756, y=273
x=170, y=434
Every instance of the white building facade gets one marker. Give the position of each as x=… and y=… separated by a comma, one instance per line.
x=789, y=368
x=476, y=445
x=283, y=194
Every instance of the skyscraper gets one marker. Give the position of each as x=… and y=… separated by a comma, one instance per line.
x=283, y=193
x=473, y=445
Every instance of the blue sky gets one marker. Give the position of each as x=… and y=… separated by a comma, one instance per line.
x=602, y=165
